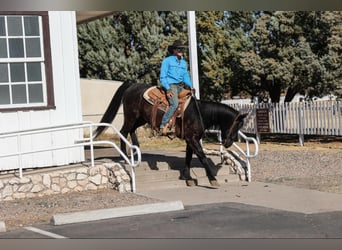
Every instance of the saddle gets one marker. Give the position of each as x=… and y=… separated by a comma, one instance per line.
x=156, y=96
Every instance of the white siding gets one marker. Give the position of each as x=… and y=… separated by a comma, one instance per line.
x=64, y=52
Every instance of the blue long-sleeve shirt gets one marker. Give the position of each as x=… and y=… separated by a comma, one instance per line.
x=174, y=70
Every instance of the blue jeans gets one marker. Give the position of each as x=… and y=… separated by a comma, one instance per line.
x=173, y=102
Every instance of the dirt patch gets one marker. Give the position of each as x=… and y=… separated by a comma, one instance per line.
x=31, y=211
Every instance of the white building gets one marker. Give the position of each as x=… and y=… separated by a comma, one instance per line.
x=39, y=85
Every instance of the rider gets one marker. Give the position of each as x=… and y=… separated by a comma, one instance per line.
x=174, y=76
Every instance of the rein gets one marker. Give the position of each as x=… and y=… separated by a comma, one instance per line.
x=198, y=111
x=182, y=116
x=231, y=127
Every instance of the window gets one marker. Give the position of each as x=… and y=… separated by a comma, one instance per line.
x=25, y=61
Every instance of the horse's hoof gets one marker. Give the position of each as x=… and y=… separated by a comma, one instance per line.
x=214, y=183
x=191, y=183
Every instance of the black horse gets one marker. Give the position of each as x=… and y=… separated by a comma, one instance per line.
x=198, y=116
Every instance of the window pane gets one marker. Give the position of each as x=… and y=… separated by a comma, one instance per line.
x=25, y=69
x=34, y=72
x=2, y=26
x=35, y=93
x=3, y=48
x=3, y=72
x=4, y=94
x=16, y=47
x=17, y=72
x=14, y=26
x=32, y=47
x=19, y=94
x=31, y=26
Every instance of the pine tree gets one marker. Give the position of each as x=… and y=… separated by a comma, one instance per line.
x=97, y=42
x=260, y=53
x=213, y=52
x=332, y=60
x=238, y=28
x=290, y=54
x=129, y=45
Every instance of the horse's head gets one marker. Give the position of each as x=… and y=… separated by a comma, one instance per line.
x=231, y=133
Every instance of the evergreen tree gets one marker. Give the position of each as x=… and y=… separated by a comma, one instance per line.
x=260, y=53
x=97, y=42
x=332, y=60
x=129, y=45
x=213, y=52
x=286, y=57
x=238, y=28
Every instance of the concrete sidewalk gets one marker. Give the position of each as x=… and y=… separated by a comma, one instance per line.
x=254, y=193
x=274, y=196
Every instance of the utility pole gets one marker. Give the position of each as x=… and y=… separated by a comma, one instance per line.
x=193, y=51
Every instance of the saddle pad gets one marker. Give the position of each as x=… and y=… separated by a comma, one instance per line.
x=156, y=96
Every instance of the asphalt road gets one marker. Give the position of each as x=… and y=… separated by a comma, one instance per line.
x=219, y=220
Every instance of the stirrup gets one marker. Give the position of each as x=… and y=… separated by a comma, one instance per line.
x=164, y=131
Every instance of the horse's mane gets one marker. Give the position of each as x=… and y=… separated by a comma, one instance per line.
x=214, y=113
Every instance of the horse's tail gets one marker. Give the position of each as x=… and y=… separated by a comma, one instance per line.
x=113, y=108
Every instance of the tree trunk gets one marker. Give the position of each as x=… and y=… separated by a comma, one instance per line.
x=274, y=91
x=290, y=94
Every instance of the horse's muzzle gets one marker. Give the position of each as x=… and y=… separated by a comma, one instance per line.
x=228, y=143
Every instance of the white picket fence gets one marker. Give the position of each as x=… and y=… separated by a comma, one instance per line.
x=302, y=118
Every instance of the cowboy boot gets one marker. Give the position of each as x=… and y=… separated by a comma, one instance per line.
x=165, y=129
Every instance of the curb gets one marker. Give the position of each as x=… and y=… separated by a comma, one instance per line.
x=109, y=213
x=2, y=227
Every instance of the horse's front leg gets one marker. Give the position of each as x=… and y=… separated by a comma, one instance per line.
x=210, y=168
x=185, y=172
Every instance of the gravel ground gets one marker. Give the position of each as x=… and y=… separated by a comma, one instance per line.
x=316, y=166
x=313, y=166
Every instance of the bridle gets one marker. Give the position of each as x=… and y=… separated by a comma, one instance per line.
x=232, y=128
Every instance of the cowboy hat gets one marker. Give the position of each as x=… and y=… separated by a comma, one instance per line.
x=178, y=44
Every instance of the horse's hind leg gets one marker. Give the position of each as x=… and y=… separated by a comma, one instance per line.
x=134, y=138
x=122, y=143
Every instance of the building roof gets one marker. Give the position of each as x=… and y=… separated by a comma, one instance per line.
x=87, y=16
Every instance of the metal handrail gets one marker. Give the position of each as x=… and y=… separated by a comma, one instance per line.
x=246, y=154
x=134, y=150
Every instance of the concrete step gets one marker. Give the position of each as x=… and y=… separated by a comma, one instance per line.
x=161, y=170
x=161, y=184
x=147, y=179
x=158, y=174
x=176, y=183
x=155, y=175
